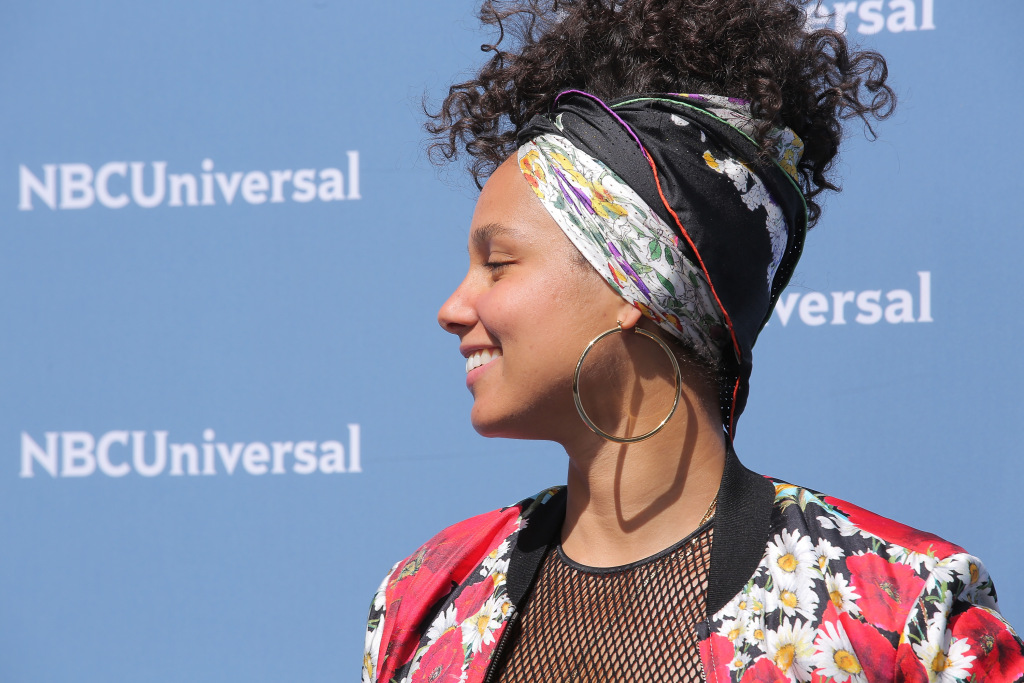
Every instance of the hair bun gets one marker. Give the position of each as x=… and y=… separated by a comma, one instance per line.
x=758, y=50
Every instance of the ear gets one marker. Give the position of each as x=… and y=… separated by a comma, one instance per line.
x=629, y=315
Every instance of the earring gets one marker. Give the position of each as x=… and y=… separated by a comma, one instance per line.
x=579, y=402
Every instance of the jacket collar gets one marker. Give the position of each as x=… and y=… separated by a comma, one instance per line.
x=741, y=529
x=742, y=525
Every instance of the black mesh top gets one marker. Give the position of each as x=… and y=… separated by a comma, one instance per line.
x=629, y=623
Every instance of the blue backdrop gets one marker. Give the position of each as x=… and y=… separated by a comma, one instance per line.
x=225, y=405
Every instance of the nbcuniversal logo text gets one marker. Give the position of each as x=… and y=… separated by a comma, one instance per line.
x=869, y=17
x=116, y=184
x=118, y=453
x=866, y=307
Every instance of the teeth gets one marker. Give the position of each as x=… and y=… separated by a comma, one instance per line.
x=481, y=357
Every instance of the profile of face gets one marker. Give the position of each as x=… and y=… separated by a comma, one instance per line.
x=527, y=307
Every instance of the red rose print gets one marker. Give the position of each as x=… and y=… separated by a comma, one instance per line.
x=998, y=653
x=875, y=653
x=427, y=576
x=472, y=598
x=457, y=550
x=443, y=660
x=909, y=668
x=887, y=590
x=423, y=588
x=764, y=672
x=715, y=653
x=894, y=532
x=406, y=570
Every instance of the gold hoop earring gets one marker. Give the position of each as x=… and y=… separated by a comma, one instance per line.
x=579, y=402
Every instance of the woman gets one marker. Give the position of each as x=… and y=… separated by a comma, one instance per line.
x=628, y=245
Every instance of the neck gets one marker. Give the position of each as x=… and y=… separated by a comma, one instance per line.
x=629, y=501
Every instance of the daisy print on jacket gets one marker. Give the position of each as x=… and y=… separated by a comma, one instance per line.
x=845, y=595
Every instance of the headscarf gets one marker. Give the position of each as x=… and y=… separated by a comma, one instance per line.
x=672, y=201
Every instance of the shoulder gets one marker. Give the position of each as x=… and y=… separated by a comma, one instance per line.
x=842, y=591
x=457, y=549
x=890, y=575
x=453, y=554
x=826, y=515
x=470, y=555
x=869, y=558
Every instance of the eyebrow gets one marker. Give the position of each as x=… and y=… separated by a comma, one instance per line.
x=485, y=233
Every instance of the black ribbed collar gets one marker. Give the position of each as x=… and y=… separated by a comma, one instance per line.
x=742, y=522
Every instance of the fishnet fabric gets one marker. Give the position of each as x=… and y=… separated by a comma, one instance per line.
x=632, y=623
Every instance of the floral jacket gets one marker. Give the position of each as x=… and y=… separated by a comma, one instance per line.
x=803, y=587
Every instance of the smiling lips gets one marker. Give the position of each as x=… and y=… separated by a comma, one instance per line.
x=481, y=357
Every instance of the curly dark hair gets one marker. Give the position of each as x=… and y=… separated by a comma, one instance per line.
x=759, y=50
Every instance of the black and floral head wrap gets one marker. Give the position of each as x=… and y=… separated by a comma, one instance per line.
x=672, y=201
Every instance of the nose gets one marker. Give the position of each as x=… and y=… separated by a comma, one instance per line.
x=458, y=314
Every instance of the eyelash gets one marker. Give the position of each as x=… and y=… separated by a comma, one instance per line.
x=494, y=266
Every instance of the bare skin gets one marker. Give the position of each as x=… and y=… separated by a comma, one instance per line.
x=529, y=294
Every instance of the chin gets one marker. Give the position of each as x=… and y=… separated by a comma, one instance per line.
x=494, y=428
x=506, y=425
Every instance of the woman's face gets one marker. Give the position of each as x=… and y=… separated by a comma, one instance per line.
x=524, y=313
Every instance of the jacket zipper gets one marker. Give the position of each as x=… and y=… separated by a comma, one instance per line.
x=499, y=649
x=703, y=629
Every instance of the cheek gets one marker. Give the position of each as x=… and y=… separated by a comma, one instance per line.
x=551, y=311
x=511, y=308
x=527, y=318
x=502, y=312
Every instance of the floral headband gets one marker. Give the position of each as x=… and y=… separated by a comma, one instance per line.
x=672, y=201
